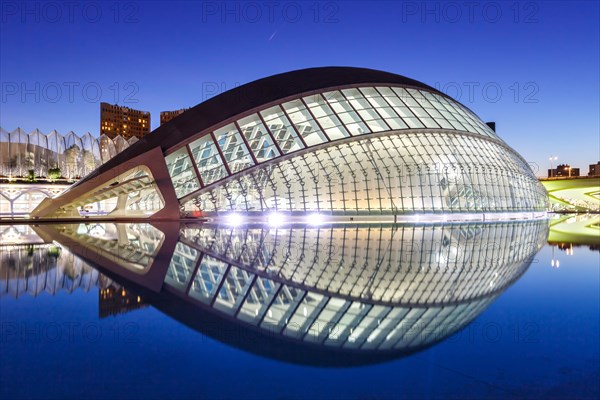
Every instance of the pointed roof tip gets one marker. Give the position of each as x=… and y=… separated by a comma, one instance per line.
x=19, y=131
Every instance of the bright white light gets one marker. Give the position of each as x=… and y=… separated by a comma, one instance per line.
x=275, y=219
x=234, y=219
x=314, y=219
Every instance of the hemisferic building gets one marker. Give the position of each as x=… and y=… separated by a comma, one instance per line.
x=333, y=142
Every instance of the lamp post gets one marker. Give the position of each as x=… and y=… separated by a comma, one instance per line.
x=552, y=158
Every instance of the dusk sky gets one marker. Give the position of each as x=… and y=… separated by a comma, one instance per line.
x=532, y=67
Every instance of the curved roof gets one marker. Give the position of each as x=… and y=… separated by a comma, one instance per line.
x=254, y=94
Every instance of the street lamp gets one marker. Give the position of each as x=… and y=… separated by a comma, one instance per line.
x=570, y=172
x=552, y=158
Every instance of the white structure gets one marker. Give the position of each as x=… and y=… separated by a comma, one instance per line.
x=73, y=155
x=69, y=157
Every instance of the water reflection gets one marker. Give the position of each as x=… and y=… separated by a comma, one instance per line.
x=28, y=265
x=328, y=295
x=567, y=232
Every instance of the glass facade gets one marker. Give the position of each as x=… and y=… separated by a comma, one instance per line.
x=395, y=151
x=381, y=150
x=401, y=173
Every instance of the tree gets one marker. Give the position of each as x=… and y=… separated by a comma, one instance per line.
x=72, y=156
x=89, y=162
x=31, y=175
x=54, y=173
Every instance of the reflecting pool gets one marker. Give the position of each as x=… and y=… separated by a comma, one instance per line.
x=181, y=310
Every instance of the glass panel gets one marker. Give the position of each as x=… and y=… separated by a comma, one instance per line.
x=372, y=119
x=333, y=127
x=354, y=124
x=181, y=266
x=304, y=314
x=283, y=306
x=403, y=111
x=208, y=160
x=233, y=147
x=233, y=290
x=318, y=106
x=282, y=130
x=207, y=279
x=304, y=123
x=365, y=110
x=182, y=172
x=383, y=108
x=356, y=98
x=258, y=138
x=258, y=300
x=420, y=97
x=326, y=118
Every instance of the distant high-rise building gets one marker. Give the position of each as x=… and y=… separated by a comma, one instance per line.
x=127, y=122
x=115, y=300
x=563, y=171
x=166, y=116
x=594, y=169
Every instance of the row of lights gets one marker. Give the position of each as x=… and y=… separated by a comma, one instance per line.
x=276, y=219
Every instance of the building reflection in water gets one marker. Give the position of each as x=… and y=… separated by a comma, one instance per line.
x=569, y=232
x=30, y=266
x=327, y=295
x=115, y=299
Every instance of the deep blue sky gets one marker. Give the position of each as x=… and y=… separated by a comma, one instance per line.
x=543, y=56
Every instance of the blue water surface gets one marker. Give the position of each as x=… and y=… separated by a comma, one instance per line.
x=540, y=338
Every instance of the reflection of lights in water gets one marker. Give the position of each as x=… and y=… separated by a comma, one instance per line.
x=554, y=262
